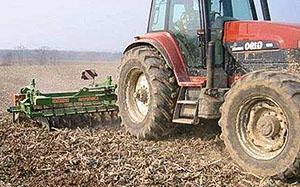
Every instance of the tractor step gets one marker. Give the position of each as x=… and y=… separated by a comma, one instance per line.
x=186, y=110
x=184, y=121
x=187, y=102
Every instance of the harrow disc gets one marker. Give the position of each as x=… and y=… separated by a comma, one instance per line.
x=79, y=120
x=44, y=122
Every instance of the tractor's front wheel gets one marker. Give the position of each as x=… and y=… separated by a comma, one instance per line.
x=147, y=93
x=261, y=123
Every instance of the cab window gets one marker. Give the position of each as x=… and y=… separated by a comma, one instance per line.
x=184, y=21
x=158, y=15
x=237, y=9
x=184, y=16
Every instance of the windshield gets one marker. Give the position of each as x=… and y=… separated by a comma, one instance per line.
x=238, y=9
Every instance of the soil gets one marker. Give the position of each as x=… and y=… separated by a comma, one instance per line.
x=106, y=155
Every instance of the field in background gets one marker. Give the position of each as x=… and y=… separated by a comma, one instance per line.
x=106, y=155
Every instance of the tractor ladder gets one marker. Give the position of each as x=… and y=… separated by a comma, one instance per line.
x=187, y=106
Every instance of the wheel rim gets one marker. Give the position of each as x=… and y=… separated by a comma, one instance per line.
x=262, y=128
x=138, y=96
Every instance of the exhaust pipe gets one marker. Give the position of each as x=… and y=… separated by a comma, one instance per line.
x=211, y=65
x=211, y=98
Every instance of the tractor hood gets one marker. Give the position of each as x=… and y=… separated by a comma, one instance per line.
x=258, y=35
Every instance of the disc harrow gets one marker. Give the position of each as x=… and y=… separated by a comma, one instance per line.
x=89, y=106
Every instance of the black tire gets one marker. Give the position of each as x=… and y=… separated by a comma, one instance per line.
x=163, y=91
x=284, y=89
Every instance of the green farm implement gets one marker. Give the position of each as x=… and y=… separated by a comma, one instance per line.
x=89, y=105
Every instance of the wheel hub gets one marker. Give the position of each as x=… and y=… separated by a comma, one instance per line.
x=268, y=126
x=138, y=96
x=142, y=95
x=262, y=128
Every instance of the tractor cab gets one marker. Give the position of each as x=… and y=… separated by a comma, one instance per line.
x=195, y=22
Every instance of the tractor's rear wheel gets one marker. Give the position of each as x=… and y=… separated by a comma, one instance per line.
x=147, y=93
x=261, y=123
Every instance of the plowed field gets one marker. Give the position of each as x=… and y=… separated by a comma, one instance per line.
x=106, y=155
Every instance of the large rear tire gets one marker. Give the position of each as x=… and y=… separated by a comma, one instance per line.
x=147, y=93
x=261, y=123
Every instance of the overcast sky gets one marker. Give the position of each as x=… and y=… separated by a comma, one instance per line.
x=89, y=25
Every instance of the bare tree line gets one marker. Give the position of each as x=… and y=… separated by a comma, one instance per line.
x=46, y=55
x=21, y=54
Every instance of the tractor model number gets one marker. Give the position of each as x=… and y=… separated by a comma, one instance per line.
x=254, y=45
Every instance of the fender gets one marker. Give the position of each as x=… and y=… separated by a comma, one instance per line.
x=168, y=47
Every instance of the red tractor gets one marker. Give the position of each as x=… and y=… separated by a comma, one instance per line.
x=213, y=59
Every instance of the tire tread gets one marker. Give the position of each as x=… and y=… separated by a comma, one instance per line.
x=163, y=90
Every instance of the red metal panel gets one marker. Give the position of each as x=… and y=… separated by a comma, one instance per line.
x=287, y=35
x=170, y=47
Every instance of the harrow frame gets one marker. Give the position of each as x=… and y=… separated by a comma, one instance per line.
x=44, y=107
